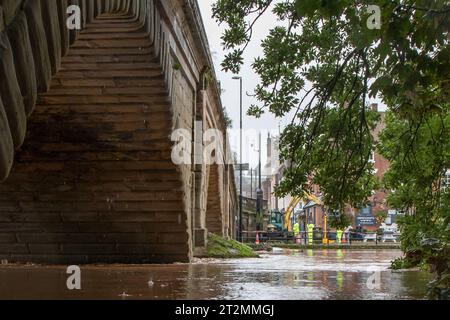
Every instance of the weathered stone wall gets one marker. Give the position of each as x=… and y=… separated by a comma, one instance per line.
x=93, y=181
x=214, y=206
x=33, y=38
x=194, y=67
x=68, y=198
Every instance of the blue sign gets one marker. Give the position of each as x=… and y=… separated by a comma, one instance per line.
x=368, y=221
x=366, y=218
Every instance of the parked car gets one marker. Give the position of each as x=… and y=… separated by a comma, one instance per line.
x=370, y=237
x=318, y=234
x=331, y=235
x=388, y=236
x=357, y=234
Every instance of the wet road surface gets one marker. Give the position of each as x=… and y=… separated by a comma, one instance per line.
x=318, y=274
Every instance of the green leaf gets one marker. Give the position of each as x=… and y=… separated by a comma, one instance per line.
x=307, y=8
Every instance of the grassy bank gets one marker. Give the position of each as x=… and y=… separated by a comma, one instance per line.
x=219, y=247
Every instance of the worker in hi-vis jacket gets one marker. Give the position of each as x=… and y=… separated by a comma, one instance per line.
x=297, y=232
x=310, y=233
x=339, y=236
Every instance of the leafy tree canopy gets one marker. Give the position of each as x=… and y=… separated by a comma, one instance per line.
x=324, y=60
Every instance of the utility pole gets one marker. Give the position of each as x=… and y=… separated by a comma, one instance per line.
x=259, y=192
x=259, y=164
x=251, y=183
x=240, y=237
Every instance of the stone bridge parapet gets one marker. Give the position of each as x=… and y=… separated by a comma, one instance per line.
x=86, y=123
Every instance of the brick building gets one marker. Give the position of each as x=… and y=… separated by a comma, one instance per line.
x=314, y=212
x=366, y=217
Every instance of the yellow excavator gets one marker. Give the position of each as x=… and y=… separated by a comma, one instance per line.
x=293, y=204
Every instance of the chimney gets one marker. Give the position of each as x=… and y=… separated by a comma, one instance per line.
x=269, y=146
x=374, y=107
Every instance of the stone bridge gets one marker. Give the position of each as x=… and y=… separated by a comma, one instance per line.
x=86, y=123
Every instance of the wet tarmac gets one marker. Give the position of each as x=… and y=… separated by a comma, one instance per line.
x=318, y=274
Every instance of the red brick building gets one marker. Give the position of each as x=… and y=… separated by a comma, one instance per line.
x=363, y=217
x=366, y=217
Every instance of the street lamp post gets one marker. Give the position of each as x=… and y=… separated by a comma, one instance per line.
x=251, y=183
x=240, y=158
x=259, y=192
x=259, y=163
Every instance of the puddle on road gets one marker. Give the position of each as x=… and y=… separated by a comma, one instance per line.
x=312, y=274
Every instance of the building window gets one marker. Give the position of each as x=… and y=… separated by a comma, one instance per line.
x=447, y=179
x=372, y=157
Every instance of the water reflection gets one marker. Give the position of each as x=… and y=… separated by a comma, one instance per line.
x=320, y=274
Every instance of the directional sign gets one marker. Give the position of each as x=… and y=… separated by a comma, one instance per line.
x=245, y=166
x=365, y=221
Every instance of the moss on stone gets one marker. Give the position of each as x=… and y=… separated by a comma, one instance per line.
x=219, y=247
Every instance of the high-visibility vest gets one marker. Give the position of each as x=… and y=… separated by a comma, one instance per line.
x=310, y=233
x=296, y=229
x=339, y=235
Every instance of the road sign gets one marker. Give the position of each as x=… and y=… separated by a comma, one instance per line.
x=245, y=166
x=367, y=221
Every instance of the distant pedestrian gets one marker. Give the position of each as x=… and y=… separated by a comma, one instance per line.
x=310, y=233
x=297, y=232
x=339, y=236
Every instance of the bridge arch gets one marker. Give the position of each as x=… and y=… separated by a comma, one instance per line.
x=89, y=131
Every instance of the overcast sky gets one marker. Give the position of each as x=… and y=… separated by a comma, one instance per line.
x=230, y=97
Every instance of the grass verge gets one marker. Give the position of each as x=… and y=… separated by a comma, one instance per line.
x=219, y=247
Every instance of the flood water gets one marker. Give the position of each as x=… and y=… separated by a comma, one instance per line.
x=318, y=274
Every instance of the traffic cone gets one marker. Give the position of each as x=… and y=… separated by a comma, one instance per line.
x=257, y=238
x=344, y=238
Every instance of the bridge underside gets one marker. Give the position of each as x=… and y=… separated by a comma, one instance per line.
x=93, y=180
